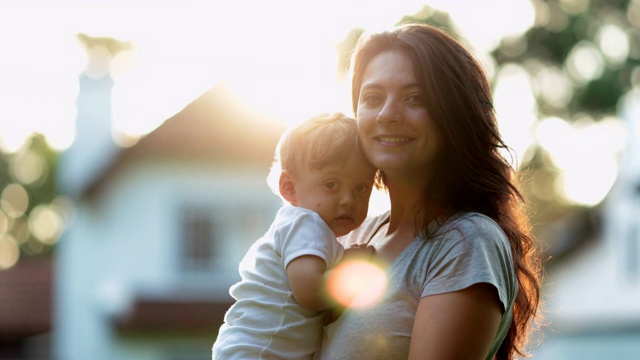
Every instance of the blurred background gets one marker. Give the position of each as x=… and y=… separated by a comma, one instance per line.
x=135, y=138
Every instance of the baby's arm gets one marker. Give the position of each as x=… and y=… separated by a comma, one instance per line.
x=306, y=279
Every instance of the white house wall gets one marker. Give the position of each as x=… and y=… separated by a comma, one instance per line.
x=593, y=298
x=125, y=241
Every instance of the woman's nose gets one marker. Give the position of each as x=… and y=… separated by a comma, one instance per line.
x=389, y=113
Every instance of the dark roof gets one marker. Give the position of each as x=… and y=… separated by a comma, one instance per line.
x=25, y=298
x=216, y=127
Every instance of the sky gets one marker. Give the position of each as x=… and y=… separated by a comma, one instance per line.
x=278, y=56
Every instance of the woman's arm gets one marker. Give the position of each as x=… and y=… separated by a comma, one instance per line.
x=456, y=325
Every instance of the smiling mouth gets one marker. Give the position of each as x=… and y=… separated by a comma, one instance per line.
x=393, y=139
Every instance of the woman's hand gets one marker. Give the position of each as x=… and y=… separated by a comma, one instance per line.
x=361, y=252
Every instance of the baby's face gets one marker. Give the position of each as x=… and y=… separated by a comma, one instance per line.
x=338, y=193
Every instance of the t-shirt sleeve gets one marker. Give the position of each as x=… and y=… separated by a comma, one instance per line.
x=308, y=234
x=363, y=234
x=473, y=250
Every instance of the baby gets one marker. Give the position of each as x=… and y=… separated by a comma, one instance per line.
x=281, y=305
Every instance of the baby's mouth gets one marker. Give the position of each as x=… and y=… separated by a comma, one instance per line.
x=345, y=219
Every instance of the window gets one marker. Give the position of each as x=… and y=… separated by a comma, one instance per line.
x=198, y=239
x=214, y=238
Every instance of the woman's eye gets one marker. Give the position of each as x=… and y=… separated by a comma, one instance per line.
x=415, y=99
x=370, y=99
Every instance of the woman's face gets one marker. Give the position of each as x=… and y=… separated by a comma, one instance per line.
x=397, y=132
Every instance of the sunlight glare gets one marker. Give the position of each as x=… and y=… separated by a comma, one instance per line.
x=39, y=72
x=516, y=110
x=586, y=153
x=379, y=202
x=484, y=34
x=283, y=65
x=357, y=284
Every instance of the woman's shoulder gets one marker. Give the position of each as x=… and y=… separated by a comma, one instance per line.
x=363, y=234
x=473, y=225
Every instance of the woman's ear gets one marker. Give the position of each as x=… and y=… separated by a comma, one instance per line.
x=287, y=187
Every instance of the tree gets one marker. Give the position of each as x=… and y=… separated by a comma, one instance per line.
x=30, y=211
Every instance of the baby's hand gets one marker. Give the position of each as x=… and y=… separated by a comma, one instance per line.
x=362, y=252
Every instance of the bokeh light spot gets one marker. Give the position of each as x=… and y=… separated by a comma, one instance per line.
x=46, y=223
x=20, y=230
x=14, y=200
x=585, y=62
x=553, y=87
x=614, y=43
x=357, y=284
x=633, y=12
x=9, y=252
x=27, y=167
x=5, y=223
x=574, y=7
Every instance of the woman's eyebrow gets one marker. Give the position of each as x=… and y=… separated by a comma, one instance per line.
x=377, y=86
x=370, y=86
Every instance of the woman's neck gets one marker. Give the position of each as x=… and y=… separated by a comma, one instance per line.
x=406, y=199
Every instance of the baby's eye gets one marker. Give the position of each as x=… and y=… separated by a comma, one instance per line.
x=362, y=188
x=331, y=185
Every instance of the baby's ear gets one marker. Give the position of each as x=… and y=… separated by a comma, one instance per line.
x=288, y=188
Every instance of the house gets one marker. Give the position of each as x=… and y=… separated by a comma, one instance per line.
x=143, y=269
x=25, y=309
x=592, y=296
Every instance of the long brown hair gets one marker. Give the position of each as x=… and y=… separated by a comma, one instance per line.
x=472, y=173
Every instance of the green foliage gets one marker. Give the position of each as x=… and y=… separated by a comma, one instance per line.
x=551, y=41
x=32, y=168
x=600, y=95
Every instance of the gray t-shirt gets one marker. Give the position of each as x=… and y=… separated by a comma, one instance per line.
x=470, y=249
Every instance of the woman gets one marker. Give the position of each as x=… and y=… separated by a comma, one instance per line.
x=463, y=272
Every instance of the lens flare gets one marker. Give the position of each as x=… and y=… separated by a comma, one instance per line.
x=357, y=284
